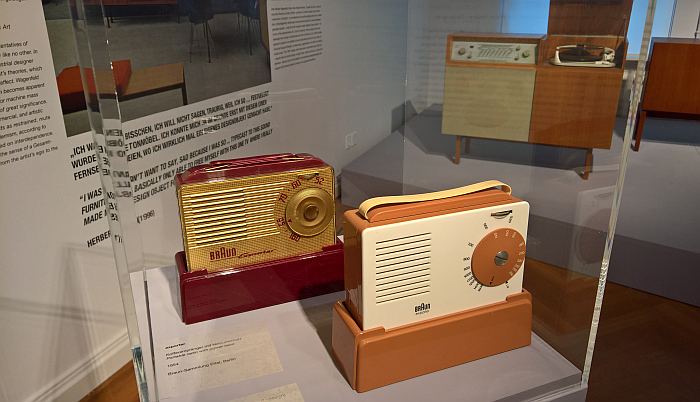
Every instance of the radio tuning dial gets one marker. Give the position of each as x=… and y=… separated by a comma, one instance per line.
x=526, y=53
x=461, y=51
x=309, y=211
x=498, y=256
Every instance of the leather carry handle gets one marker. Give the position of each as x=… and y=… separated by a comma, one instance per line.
x=438, y=195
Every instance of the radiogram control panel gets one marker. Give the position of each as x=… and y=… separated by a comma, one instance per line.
x=492, y=52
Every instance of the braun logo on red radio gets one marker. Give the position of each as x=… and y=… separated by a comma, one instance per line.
x=222, y=254
x=226, y=253
x=422, y=308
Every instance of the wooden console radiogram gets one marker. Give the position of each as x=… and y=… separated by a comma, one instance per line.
x=537, y=102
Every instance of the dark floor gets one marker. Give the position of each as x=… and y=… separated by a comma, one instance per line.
x=647, y=349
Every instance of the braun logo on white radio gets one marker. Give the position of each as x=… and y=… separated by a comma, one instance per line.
x=422, y=308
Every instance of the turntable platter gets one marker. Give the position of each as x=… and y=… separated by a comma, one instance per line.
x=581, y=53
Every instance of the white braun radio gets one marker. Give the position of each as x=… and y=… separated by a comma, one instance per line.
x=415, y=257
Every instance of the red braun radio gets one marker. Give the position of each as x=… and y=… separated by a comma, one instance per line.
x=251, y=210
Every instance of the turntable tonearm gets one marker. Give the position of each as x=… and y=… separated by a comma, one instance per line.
x=583, y=55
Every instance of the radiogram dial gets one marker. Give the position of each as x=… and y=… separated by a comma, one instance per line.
x=494, y=52
x=498, y=256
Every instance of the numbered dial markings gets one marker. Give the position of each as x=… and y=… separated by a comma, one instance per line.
x=306, y=209
x=498, y=257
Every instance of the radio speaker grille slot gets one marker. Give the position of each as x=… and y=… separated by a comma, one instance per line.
x=227, y=214
x=402, y=267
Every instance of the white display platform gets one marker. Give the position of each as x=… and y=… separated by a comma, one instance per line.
x=301, y=333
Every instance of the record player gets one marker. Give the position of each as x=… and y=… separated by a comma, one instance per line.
x=559, y=89
x=582, y=55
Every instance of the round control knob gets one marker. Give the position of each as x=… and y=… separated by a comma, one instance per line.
x=517, y=48
x=461, y=51
x=526, y=53
x=309, y=211
x=498, y=256
x=469, y=56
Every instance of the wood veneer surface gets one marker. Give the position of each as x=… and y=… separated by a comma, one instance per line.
x=120, y=387
x=497, y=37
x=673, y=84
x=154, y=79
x=575, y=106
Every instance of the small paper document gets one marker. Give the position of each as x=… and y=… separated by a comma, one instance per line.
x=199, y=362
x=287, y=393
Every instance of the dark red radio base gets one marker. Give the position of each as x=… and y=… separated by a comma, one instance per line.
x=205, y=296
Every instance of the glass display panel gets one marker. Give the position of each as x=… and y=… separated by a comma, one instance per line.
x=525, y=109
x=382, y=92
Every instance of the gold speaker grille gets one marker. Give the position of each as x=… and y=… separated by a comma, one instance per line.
x=238, y=222
x=225, y=214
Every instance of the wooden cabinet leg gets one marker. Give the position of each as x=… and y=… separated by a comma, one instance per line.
x=466, y=144
x=638, y=130
x=458, y=146
x=589, y=163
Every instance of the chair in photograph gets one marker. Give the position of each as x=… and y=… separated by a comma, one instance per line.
x=251, y=10
x=199, y=12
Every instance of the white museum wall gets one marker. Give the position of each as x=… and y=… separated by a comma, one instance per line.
x=685, y=19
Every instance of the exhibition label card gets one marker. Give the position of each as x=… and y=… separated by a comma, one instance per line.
x=287, y=393
x=200, y=362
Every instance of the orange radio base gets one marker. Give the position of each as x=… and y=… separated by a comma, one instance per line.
x=376, y=357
